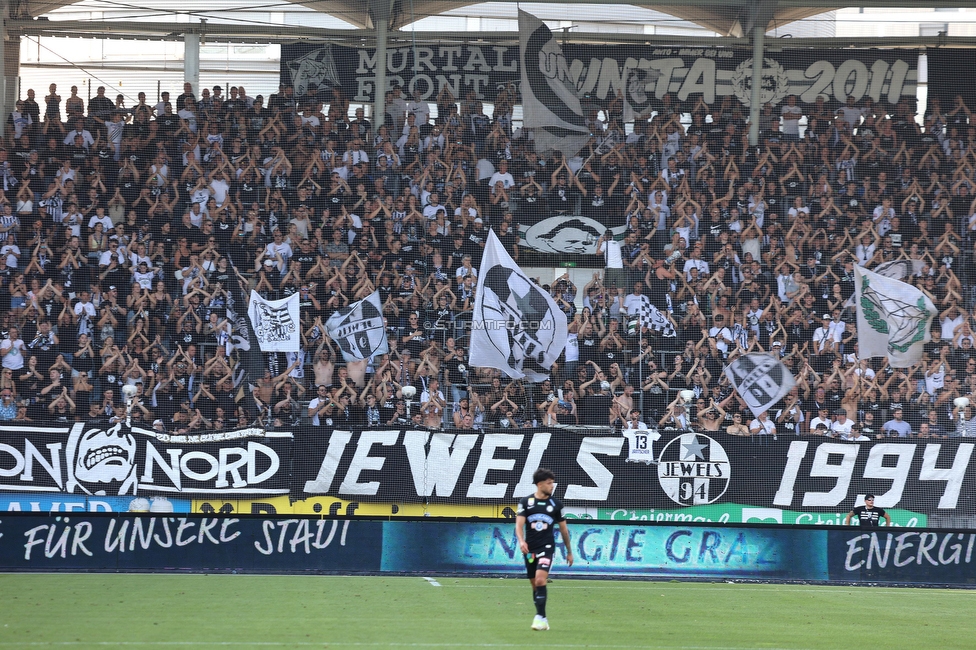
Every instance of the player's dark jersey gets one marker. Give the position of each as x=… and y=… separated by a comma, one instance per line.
x=541, y=520
x=870, y=517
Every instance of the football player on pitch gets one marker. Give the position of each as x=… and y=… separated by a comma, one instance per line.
x=535, y=524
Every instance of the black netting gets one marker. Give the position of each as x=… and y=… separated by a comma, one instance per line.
x=133, y=235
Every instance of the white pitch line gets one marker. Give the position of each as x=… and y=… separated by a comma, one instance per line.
x=433, y=583
x=365, y=645
x=634, y=585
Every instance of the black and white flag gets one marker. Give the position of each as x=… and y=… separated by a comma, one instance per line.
x=276, y=322
x=316, y=67
x=516, y=326
x=607, y=142
x=653, y=318
x=359, y=330
x=760, y=379
x=550, y=101
x=900, y=269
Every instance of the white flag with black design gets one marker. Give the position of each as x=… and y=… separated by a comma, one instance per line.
x=893, y=319
x=550, y=102
x=900, y=269
x=653, y=318
x=359, y=330
x=275, y=322
x=516, y=326
x=760, y=379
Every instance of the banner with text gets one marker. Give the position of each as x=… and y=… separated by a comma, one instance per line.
x=774, y=477
x=643, y=73
x=134, y=543
x=99, y=459
x=786, y=480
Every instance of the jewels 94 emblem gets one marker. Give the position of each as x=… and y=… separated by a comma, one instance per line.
x=694, y=469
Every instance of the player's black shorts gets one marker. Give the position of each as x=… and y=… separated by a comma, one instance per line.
x=536, y=560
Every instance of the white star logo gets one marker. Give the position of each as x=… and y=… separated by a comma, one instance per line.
x=693, y=450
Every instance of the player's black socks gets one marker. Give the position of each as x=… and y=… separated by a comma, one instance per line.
x=540, y=601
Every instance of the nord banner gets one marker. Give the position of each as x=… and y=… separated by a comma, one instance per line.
x=643, y=74
x=97, y=459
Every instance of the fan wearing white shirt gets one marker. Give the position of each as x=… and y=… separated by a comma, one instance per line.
x=194, y=215
x=419, y=108
x=823, y=336
x=503, y=175
x=856, y=435
x=822, y=419
x=279, y=251
x=841, y=427
x=762, y=425
x=837, y=326
x=219, y=187
x=466, y=270
x=143, y=275
x=102, y=218
x=790, y=115
x=355, y=153
x=11, y=252
x=721, y=334
x=84, y=311
x=695, y=262
x=798, y=210
x=434, y=206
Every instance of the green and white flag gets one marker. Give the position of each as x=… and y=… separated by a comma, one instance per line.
x=892, y=318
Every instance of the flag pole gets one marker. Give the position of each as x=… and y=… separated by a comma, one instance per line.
x=640, y=365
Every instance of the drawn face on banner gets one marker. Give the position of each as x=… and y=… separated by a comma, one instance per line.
x=560, y=235
x=317, y=67
x=517, y=319
x=274, y=324
x=105, y=456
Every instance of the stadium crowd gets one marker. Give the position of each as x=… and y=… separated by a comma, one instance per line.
x=127, y=232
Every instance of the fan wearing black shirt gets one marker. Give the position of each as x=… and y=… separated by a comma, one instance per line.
x=508, y=239
x=562, y=196
x=535, y=523
x=867, y=515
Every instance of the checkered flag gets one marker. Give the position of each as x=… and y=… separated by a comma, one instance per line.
x=653, y=318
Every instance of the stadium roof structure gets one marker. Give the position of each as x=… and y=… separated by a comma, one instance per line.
x=738, y=23
x=729, y=18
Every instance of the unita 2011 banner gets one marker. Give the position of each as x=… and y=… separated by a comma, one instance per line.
x=645, y=74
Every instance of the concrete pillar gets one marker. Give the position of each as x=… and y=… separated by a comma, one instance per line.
x=755, y=108
x=4, y=106
x=9, y=69
x=379, y=104
x=191, y=60
x=381, y=12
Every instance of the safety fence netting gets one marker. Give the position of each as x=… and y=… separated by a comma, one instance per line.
x=656, y=475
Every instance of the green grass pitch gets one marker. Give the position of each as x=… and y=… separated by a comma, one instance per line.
x=237, y=611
